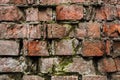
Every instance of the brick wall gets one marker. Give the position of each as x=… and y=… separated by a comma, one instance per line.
x=59, y=39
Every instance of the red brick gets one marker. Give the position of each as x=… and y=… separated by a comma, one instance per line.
x=64, y=78
x=81, y=66
x=107, y=12
x=58, y=30
x=36, y=31
x=118, y=10
x=90, y=30
x=12, y=65
x=107, y=65
x=116, y=49
x=53, y=2
x=93, y=48
x=4, y=1
x=108, y=47
x=10, y=13
x=117, y=62
x=94, y=77
x=81, y=31
x=65, y=47
x=69, y=12
x=46, y=64
x=93, y=30
x=36, y=48
x=13, y=2
x=12, y=31
x=9, y=30
x=78, y=1
x=111, y=30
x=45, y=14
x=9, y=48
x=32, y=14
x=32, y=77
x=115, y=77
x=111, y=1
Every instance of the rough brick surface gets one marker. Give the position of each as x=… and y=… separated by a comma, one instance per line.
x=32, y=77
x=81, y=66
x=9, y=48
x=94, y=77
x=90, y=30
x=65, y=77
x=32, y=14
x=59, y=39
x=11, y=65
x=107, y=65
x=65, y=47
x=69, y=12
x=93, y=48
x=10, y=13
x=115, y=77
x=36, y=48
x=59, y=31
x=45, y=14
x=47, y=64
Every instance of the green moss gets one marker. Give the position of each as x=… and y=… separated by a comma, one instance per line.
x=63, y=64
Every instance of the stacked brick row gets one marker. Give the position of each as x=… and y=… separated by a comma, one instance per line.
x=59, y=40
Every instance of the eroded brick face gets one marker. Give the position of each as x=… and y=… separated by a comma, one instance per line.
x=9, y=48
x=59, y=39
x=10, y=13
x=69, y=12
x=64, y=77
x=36, y=48
x=93, y=48
x=94, y=77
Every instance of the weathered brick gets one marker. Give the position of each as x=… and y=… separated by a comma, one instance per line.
x=65, y=47
x=11, y=65
x=13, y=1
x=93, y=48
x=90, y=30
x=36, y=48
x=58, y=30
x=53, y=2
x=32, y=77
x=64, y=78
x=111, y=30
x=81, y=66
x=32, y=14
x=93, y=30
x=115, y=77
x=118, y=10
x=94, y=77
x=45, y=14
x=36, y=31
x=46, y=64
x=117, y=62
x=9, y=48
x=9, y=30
x=81, y=31
x=13, y=31
x=107, y=65
x=111, y=1
x=10, y=13
x=4, y=77
x=108, y=47
x=78, y=1
x=116, y=49
x=69, y=12
x=107, y=12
